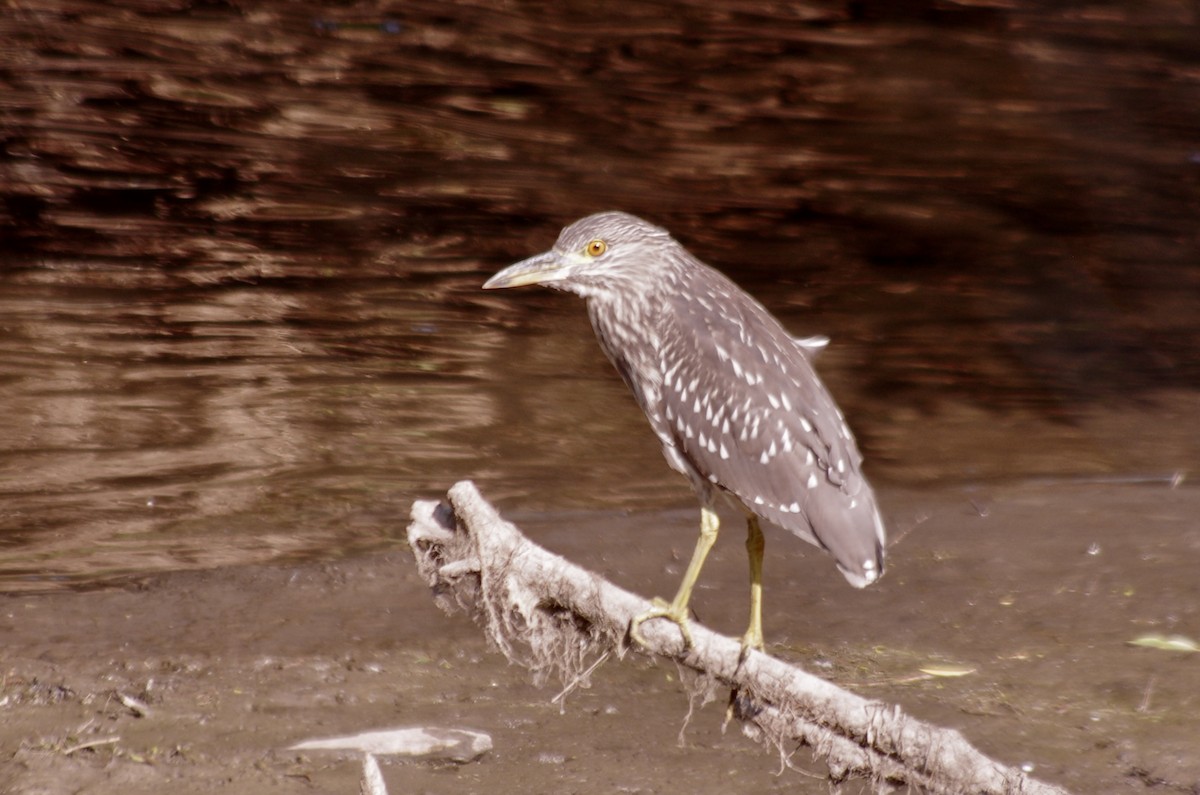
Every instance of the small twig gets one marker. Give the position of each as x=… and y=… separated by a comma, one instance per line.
x=576, y=681
x=372, y=782
x=1145, y=705
x=1171, y=479
x=92, y=744
x=899, y=536
x=138, y=707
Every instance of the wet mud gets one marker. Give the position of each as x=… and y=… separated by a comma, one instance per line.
x=234, y=665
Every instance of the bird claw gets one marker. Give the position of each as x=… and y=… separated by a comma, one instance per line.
x=662, y=609
x=741, y=706
x=751, y=641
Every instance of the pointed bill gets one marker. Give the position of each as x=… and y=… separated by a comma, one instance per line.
x=539, y=269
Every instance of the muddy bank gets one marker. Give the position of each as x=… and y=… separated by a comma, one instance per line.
x=236, y=664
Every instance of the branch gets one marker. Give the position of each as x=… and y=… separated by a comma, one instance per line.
x=552, y=616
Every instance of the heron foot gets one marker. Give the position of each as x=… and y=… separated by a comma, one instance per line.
x=677, y=614
x=751, y=641
x=741, y=706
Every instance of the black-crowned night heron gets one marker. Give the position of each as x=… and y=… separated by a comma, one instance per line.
x=732, y=397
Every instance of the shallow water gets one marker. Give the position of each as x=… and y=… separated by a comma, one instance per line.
x=243, y=246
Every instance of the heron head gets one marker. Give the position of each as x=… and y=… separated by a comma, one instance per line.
x=593, y=250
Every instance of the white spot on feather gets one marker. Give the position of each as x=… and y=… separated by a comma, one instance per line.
x=812, y=480
x=669, y=374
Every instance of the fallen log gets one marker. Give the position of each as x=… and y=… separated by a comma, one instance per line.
x=553, y=617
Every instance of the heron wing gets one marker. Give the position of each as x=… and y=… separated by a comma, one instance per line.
x=743, y=406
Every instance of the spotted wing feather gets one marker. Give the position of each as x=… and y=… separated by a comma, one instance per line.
x=745, y=412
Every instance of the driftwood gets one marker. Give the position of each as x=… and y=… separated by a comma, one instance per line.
x=554, y=617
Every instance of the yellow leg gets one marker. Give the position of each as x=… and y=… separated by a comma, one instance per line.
x=755, y=544
x=677, y=610
x=753, y=639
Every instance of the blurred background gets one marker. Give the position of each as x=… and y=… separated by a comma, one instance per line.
x=241, y=246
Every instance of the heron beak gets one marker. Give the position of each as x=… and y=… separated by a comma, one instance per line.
x=539, y=269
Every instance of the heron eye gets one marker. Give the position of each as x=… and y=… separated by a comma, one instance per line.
x=595, y=248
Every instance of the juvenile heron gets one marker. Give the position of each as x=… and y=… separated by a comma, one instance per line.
x=732, y=397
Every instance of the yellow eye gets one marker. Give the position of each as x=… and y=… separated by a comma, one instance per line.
x=595, y=248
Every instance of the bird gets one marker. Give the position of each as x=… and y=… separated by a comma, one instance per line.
x=732, y=397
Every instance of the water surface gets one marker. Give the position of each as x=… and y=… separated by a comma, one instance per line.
x=242, y=246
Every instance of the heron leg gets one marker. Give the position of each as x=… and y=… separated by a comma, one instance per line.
x=755, y=544
x=677, y=610
x=739, y=705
